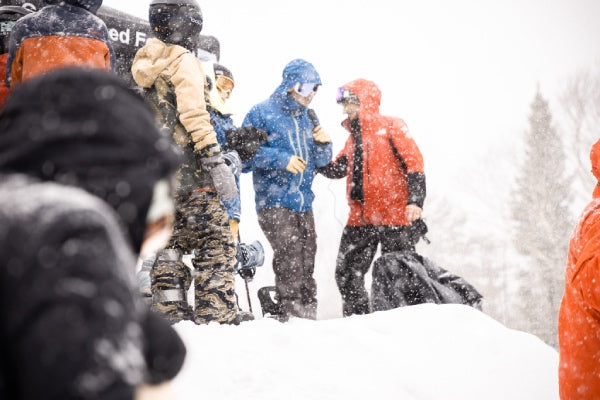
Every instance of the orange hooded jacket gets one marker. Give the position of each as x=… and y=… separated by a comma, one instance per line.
x=390, y=156
x=61, y=34
x=579, y=315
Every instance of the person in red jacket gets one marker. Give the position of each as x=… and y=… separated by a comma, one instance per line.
x=385, y=189
x=579, y=315
x=64, y=33
x=8, y=17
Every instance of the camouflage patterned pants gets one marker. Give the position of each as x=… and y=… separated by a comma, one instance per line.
x=202, y=227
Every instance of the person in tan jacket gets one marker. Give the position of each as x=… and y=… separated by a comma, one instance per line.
x=174, y=82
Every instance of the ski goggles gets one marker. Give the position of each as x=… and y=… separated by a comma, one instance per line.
x=6, y=27
x=306, y=89
x=346, y=96
x=224, y=83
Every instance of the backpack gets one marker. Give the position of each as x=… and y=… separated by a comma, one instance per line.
x=407, y=278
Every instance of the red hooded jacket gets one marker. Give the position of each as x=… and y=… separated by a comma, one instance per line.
x=4, y=90
x=390, y=157
x=579, y=315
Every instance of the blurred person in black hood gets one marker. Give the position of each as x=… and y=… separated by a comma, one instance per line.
x=80, y=156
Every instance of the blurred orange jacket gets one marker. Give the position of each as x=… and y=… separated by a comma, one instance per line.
x=579, y=315
x=59, y=35
x=41, y=54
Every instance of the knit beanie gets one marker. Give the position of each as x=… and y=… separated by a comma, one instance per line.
x=85, y=128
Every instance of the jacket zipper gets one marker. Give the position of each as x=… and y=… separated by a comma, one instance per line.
x=301, y=156
x=366, y=157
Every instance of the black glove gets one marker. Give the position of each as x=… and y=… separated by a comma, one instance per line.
x=246, y=141
x=164, y=350
x=417, y=230
x=221, y=175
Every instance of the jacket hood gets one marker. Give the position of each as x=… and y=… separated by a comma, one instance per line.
x=297, y=71
x=595, y=160
x=90, y=5
x=368, y=94
x=152, y=59
x=85, y=128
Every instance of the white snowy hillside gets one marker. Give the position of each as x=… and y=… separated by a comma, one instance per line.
x=424, y=352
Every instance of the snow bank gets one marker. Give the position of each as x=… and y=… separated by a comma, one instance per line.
x=422, y=352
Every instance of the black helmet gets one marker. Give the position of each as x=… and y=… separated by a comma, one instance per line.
x=8, y=16
x=176, y=22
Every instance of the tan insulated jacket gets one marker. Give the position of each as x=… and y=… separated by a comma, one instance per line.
x=173, y=68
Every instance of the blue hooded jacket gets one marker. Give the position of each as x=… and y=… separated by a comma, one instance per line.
x=290, y=132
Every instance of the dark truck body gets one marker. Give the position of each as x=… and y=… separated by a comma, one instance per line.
x=127, y=34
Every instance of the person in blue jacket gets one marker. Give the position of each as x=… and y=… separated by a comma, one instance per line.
x=221, y=85
x=283, y=170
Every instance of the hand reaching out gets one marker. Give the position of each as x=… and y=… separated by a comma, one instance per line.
x=320, y=135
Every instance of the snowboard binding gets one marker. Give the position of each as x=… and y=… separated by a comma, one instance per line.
x=269, y=303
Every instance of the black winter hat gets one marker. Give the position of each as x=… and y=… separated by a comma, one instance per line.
x=86, y=128
x=176, y=22
x=220, y=69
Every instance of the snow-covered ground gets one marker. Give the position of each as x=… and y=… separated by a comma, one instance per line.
x=424, y=352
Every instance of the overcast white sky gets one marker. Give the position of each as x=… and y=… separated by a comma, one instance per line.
x=462, y=73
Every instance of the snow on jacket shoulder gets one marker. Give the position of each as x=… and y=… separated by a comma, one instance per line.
x=173, y=68
x=57, y=36
x=391, y=159
x=290, y=132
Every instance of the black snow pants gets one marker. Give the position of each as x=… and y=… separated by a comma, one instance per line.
x=357, y=250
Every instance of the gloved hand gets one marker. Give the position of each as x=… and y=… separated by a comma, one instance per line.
x=221, y=175
x=232, y=159
x=246, y=141
x=296, y=165
x=320, y=135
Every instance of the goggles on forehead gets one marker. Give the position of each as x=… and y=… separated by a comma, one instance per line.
x=305, y=89
x=346, y=96
x=224, y=83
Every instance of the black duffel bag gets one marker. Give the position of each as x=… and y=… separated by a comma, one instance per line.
x=407, y=278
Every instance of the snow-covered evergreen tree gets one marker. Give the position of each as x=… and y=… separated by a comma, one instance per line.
x=540, y=210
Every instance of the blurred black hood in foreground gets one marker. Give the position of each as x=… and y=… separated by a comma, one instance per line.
x=85, y=128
